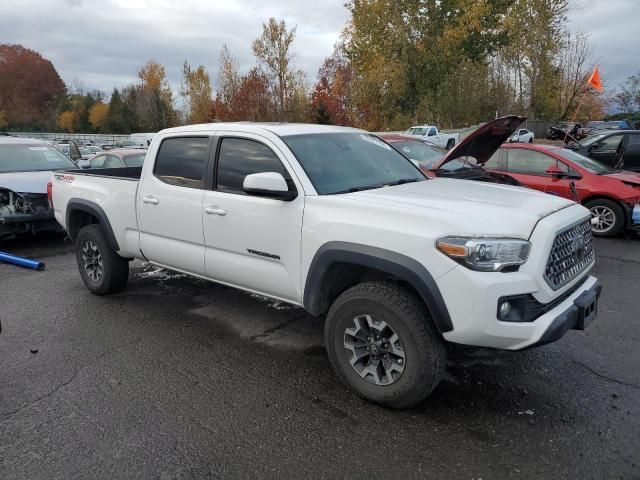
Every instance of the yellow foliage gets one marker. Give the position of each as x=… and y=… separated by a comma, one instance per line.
x=4, y=122
x=67, y=121
x=98, y=114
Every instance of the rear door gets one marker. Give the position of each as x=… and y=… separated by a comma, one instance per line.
x=252, y=242
x=169, y=204
x=631, y=155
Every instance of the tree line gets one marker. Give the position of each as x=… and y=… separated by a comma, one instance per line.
x=397, y=62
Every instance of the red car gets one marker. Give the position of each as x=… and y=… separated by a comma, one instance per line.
x=613, y=196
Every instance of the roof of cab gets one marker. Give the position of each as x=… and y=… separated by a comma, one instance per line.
x=280, y=129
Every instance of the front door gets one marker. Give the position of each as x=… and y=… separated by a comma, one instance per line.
x=529, y=167
x=608, y=150
x=169, y=204
x=631, y=155
x=252, y=242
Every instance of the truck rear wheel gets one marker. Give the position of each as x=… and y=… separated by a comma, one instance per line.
x=381, y=342
x=450, y=143
x=101, y=268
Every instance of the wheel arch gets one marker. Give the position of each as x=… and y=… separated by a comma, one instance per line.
x=81, y=213
x=338, y=266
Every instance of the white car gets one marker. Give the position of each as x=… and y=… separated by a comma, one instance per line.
x=522, y=136
x=432, y=134
x=337, y=221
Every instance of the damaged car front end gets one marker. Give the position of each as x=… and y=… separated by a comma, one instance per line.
x=25, y=170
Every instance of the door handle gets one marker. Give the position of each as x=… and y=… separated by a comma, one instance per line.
x=215, y=210
x=150, y=199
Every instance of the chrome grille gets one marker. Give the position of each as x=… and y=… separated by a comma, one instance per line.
x=571, y=253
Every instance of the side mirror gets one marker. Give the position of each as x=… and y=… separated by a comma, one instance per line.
x=74, y=151
x=268, y=184
x=555, y=171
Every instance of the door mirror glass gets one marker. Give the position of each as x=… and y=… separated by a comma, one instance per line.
x=268, y=184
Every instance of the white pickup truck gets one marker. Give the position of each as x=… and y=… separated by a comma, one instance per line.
x=432, y=134
x=337, y=221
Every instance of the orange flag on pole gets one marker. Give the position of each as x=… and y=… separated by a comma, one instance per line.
x=594, y=80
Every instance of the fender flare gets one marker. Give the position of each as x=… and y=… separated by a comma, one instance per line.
x=393, y=263
x=79, y=204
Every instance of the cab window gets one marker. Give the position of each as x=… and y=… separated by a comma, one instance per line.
x=240, y=157
x=182, y=161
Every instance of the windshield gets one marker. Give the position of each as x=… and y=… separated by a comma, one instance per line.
x=426, y=155
x=134, y=160
x=32, y=158
x=611, y=125
x=591, y=139
x=85, y=151
x=460, y=164
x=586, y=162
x=346, y=162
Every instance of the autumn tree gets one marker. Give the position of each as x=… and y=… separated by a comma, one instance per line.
x=331, y=99
x=67, y=121
x=196, y=91
x=628, y=97
x=253, y=100
x=4, y=122
x=29, y=86
x=228, y=80
x=273, y=52
x=153, y=99
x=98, y=115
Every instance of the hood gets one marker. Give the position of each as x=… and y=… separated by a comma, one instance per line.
x=626, y=177
x=485, y=141
x=469, y=207
x=26, y=182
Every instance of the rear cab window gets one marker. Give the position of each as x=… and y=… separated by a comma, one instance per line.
x=182, y=161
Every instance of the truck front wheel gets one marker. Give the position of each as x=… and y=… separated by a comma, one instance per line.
x=101, y=268
x=381, y=342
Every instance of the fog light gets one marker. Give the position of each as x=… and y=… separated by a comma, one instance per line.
x=505, y=308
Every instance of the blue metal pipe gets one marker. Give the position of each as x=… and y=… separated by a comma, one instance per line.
x=21, y=261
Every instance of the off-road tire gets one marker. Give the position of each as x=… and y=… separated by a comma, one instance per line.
x=115, y=269
x=407, y=315
x=611, y=206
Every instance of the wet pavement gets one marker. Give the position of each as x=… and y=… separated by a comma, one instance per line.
x=180, y=378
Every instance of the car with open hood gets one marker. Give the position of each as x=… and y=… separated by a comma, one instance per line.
x=25, y=169
x=466, y=159
x=612, y=195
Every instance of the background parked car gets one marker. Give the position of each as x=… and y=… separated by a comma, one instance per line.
x=592, y=128
x=115, y=158
x=616, y=149
x=522, y=136
x=25, y=169
x=431, y=133
x=611, y=195
x=562, y=129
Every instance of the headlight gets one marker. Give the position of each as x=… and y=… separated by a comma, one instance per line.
x=485, y=254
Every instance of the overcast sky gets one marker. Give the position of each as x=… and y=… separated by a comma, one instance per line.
x=102, y=43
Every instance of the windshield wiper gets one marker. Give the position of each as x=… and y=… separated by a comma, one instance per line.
x=403, y=181
x=358, y=189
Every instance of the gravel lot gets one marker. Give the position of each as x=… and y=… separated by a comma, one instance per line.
x=179, y=378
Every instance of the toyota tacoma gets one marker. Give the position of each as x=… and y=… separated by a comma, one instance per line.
x=337, y=221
